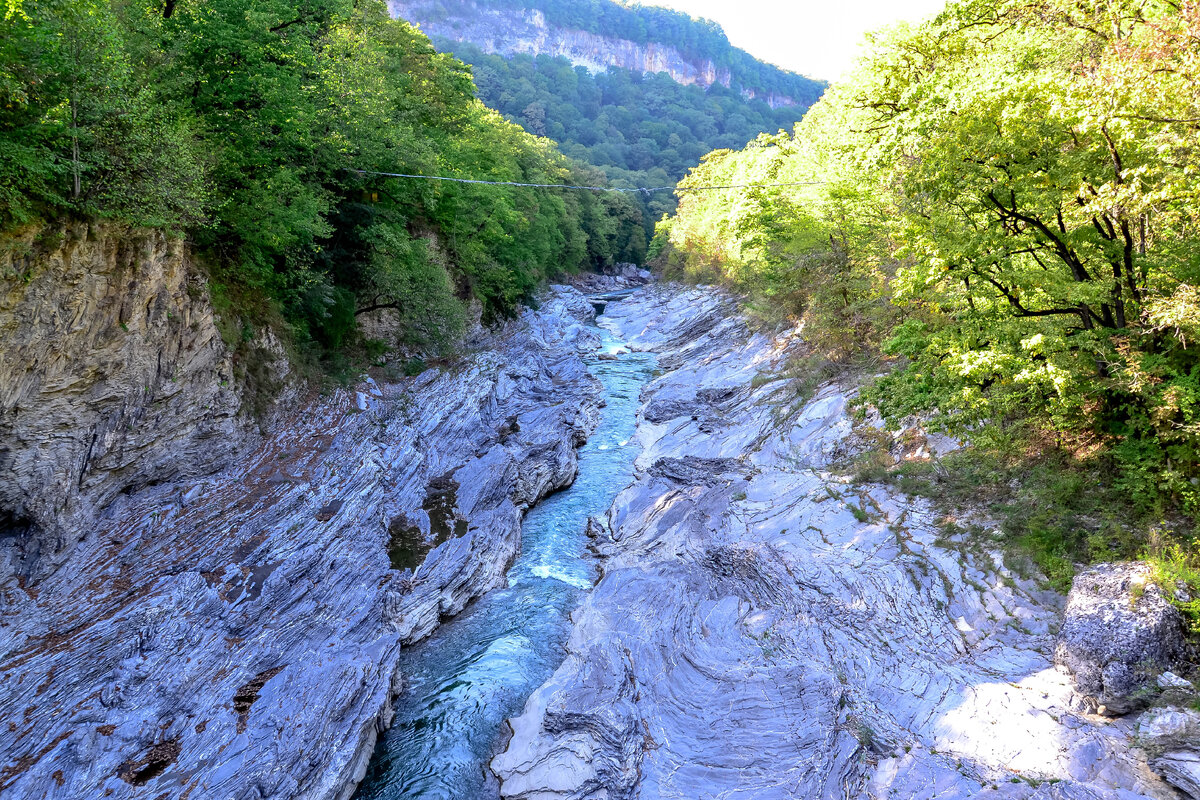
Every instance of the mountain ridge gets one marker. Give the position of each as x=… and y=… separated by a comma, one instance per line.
x=602, y=34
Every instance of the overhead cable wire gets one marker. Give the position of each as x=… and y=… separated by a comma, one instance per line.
x=644, y=190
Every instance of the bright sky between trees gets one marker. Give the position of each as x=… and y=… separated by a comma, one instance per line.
x=818, y=38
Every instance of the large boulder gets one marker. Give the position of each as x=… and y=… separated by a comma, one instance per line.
x=629, y=272
x=1171, y=737
x=1118, y=635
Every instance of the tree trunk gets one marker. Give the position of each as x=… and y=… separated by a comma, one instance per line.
x=75, y=149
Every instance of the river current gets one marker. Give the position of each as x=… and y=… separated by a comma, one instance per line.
x=479, y=668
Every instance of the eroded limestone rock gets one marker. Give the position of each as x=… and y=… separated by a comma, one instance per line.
x=764, y=629
x=1118, y=635
x=1172, y=737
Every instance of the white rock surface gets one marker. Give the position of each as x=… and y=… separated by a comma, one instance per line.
x=1172, y=737
x=1169, y=680
x=763, y=629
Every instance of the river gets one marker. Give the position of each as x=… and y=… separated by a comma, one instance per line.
x=478, y=669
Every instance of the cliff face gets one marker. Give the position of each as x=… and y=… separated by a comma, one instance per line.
x=507, y=32
x=770, y=98
x=238, y=635
x=113, y=377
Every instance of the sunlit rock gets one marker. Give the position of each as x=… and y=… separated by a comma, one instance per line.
x=765, y=629
x=1172, y=737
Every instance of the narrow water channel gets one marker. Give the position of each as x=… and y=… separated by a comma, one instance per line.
x=479, y=668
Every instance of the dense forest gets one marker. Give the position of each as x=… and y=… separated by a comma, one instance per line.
x=641, y=129
x=695, y=39
x=1004, y=207
x=252, y=128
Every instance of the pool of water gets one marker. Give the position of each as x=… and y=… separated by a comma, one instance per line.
x=479, y=668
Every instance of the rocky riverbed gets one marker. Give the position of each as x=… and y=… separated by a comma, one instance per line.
x=760, y=626
x=765, y=629
x=238, y=635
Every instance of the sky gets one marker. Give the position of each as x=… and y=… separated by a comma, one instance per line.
x=818, y=38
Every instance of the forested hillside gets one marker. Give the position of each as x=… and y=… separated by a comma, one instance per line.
x=1006, y=208
x=642, y=130
x=242, y=124
x=639, y=91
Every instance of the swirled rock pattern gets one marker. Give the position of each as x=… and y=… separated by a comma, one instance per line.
x=764, y=629
x=237, y=636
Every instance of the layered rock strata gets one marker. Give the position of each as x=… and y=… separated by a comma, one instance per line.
x=507, y=31
x=1171, y=736
x=237, y=635
x=765, y=629
x=113, y=376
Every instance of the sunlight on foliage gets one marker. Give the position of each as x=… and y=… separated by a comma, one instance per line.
x=1010, y=209
x=1177, y=571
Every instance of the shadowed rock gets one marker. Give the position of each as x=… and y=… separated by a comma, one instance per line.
x=247, y=694
x=113, y=378
x=146, y=664
x=706, y=401
x=694, y=471
x=151, y=765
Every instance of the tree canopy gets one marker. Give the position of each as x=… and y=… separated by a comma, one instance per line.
x=1008, y=204
x=252, y=127
x=642, y=130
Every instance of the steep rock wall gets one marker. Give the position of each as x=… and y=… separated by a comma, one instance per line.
x=113, y=376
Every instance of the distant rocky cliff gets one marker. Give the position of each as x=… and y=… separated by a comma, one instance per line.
x=508, y=31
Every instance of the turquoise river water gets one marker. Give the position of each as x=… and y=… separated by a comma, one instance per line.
x=479, y=668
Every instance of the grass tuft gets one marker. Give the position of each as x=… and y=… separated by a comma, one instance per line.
x=1055, y=508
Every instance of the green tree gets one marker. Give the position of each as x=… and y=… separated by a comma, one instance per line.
x=263, y=130
x=81, y=128
x=1020, y=180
